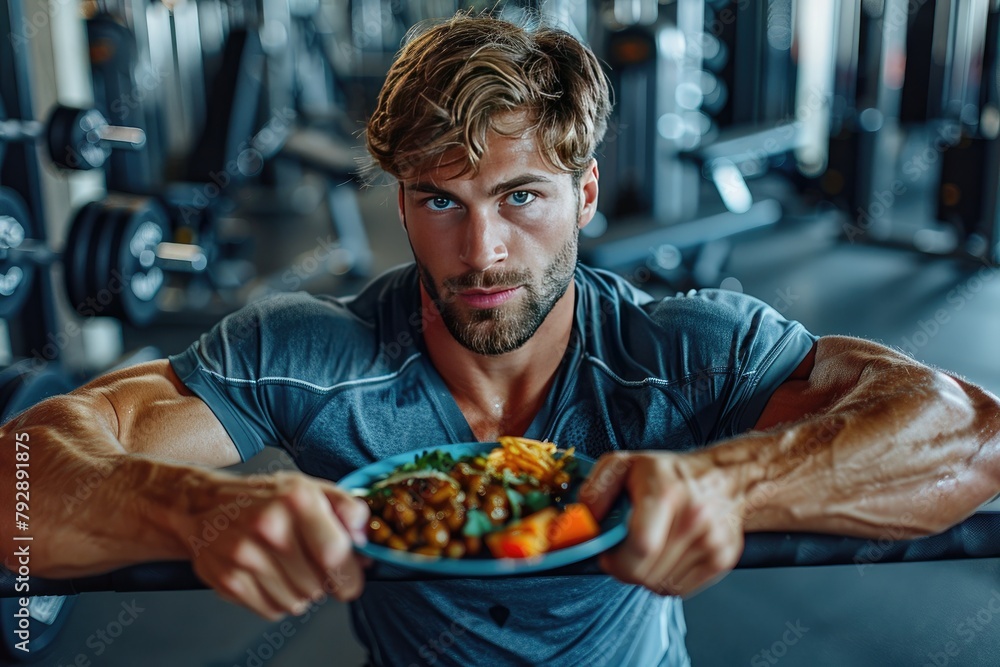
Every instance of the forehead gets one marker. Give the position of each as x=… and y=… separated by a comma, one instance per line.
x=504, y=157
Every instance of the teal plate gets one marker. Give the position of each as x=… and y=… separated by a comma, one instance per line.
x=613, y=527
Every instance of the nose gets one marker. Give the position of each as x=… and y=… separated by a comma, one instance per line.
x=483, y=245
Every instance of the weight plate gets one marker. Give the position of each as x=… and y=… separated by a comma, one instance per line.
x=16, y=275
x=139, y=232
x=3, y=144
x=59, y=135
x=102, y=285
x=76, y=256
x=66, y=136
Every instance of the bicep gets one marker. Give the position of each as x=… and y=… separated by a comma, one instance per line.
x=830, y=371
x=155, y=414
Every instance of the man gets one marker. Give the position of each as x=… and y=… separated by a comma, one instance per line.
x=491, y=131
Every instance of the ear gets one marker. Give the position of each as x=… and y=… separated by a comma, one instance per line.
x=588, y=194
x=399, y=204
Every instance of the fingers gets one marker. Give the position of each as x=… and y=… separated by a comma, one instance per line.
x=681, y=537
x=290, y=543
x=605, y=482
x=649, y=526
x=352, y=512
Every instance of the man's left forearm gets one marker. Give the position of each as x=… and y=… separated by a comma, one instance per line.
x=907, y=447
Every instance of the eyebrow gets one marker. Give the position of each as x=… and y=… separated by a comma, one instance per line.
x=510, y=184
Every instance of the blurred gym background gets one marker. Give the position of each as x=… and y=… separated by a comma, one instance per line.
x=165, y=163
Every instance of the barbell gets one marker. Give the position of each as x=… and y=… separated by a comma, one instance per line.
x=76, y=138
x=117, y=255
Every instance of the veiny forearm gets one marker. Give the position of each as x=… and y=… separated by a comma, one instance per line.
x=93, y=506
x=907, y=448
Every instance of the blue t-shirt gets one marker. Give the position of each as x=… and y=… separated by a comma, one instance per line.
x=342, y=382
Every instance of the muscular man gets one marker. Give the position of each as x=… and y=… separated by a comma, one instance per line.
x=712, y=412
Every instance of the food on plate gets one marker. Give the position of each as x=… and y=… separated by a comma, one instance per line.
x=511, y=499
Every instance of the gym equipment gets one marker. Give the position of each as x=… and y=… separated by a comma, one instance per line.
x=117, y=254
x=80, y=139
x=16, y=277
x=47, y=616
x=912, y=154
x=970, y=170
x=976, y=537
x=20, y=388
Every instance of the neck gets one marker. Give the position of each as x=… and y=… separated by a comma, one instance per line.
x=500, y=395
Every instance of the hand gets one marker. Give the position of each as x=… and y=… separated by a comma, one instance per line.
x=686, y=528
x=275, y=543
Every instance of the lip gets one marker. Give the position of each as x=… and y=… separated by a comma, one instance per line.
x=479, y=298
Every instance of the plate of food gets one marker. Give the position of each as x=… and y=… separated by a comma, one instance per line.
x=483, y=509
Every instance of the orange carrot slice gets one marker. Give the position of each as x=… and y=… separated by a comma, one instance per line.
x=575, y=524
x=526, y=538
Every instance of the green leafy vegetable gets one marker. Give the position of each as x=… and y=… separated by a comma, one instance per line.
x=536, y=500
x=432, y=460
x=516, y=501
x=477, y=524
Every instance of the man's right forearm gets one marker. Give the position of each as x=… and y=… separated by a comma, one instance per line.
x=93, y=506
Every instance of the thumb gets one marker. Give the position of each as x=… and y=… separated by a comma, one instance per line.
x=352, y=511
x=605, y=483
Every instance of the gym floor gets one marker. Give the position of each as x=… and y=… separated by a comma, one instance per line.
x=914, y=614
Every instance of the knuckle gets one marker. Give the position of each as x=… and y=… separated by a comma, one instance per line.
x=665, y=586
x=643, y=546
x=243, y=554
x=300, y=496
x=231, y=585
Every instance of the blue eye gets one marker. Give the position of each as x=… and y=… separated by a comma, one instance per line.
x=439, y=203
x=520, y=198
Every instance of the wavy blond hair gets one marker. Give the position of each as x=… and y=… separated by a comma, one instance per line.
x=454, y=82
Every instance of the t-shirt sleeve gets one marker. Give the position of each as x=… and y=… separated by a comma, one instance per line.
x=739, y=350
x=250, y=369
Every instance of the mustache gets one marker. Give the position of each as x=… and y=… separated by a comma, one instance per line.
x=486, y=280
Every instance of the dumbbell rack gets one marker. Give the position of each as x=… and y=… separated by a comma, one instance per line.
x=20, y=171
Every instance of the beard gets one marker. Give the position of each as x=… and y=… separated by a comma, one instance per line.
x=496, y=331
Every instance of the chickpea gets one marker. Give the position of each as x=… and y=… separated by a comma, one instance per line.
x=455, y=549
x=436, y=534
x=442, y=495
x=378, y=531
x=406, y=516
x=412, y=535
x=499, y=515
x=475, y=485
x=495, y=505
x=454, y=517
x=427, y=550
x=396, y=542
x=473, y=545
